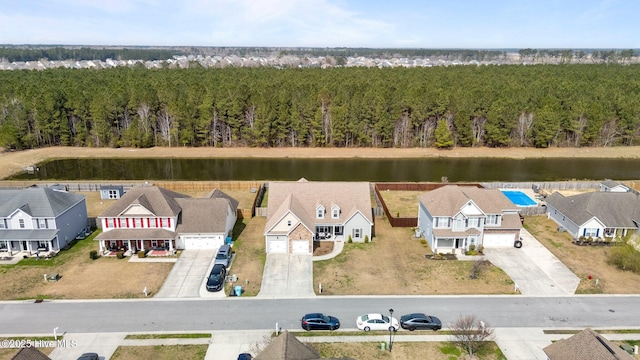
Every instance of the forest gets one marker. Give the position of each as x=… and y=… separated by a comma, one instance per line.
x=458, y=106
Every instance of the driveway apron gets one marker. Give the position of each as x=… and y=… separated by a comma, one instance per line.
x=187, y=276
x=534, y=269
x=287, y=276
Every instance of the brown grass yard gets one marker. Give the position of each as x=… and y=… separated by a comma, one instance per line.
x=81, y=277
x=583, y=260
x=250, y=256
x=397, y=260
x=161, y=352
x=402, y=351
x=401, y=203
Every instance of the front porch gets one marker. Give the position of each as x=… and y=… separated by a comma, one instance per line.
x=329, y=233
x=132, y=247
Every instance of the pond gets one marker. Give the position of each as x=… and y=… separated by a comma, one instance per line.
x=353, y=169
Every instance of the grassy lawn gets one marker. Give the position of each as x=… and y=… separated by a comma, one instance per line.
x=401, y=203
x=406, y=270
x=583, y=260
x=403, y=351
x=250, y=255
x=161, y=352
x=81, y=276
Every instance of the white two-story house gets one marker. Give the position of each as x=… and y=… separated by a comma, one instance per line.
x=455, y=217
x=39, y=219
x=300, y=212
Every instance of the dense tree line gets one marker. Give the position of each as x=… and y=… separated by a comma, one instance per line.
x=12, y=54
x=462, y=106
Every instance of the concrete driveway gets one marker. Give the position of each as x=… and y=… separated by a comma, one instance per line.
x=187, y=276
x=287, y=276
x=534, y=269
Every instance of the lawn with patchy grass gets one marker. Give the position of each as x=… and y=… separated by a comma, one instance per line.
x=81, y=277
x=250, y=256
x=403, y=351
x=401, y=203
x=397, y=260
x=583, y=260
x=161, y=352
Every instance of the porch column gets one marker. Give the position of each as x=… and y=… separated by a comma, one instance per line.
x=141, y=245
x=50, y=245
x=29, y=247
x=129, y=246
x=9, y=248
x=101, y=244
x=171, y=245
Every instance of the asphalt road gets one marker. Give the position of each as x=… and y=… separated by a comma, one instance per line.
x=27, y=317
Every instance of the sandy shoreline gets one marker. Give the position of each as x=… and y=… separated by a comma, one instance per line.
x=14, y=161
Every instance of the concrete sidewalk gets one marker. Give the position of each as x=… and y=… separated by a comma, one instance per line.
x=515, y=343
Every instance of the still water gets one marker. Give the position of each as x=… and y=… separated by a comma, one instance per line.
x=411, y=170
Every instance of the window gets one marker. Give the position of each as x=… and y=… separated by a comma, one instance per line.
x=357, y=233
x=458, y=224
x=113, y=194
x=338, y=230
x=42, y=224
x=110, y=223
x=137, y=222
x=473, y=223
x=491, y=220
x=442, y=222
x=288, y=222
x=593, y=232
x=2, y=225
x=335, y=212
x=43, y=245
x=21, y=222
x=320, y=212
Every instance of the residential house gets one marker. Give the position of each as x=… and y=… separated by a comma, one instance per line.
x=39, y=219
x=595, y=214
x=585, y=345
x=153, y=218
x=613, y=186
x=300, y=212
x=288, y=347
x=455, y=217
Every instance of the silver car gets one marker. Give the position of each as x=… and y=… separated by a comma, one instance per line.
x=224, y=255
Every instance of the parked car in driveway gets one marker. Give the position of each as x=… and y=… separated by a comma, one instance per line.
x=420, y=321
x=215, y=282
x=89, y=356
x=376, y=322
x=224, y=255
x=319, y=321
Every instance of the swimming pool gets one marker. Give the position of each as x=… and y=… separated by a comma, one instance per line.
x=519, y=198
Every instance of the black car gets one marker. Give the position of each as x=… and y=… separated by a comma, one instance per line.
x=420, y=321
x=319, y=321
x=215, y=282
x=89, y=356
x=245, y=356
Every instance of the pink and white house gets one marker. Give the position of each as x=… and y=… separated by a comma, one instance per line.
x=152, y=218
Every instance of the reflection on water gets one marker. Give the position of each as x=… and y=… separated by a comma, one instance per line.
x=413, y=169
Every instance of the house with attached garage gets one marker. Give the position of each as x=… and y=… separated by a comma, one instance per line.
x=301, y=212
x=153, y=219
x=40, y=220
x=455, y=217
x=600, y=214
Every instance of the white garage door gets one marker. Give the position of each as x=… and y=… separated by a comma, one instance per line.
x=277, y=247
x=197, y=242
x=499, y=240
x=300, y=246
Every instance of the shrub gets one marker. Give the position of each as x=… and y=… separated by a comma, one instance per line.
x=472, y=247
x=625, y=257
x=349, y=239
x=141, y=254
x=423, y=241
x=93, y=254
x=120, y=254
x=481, y=249
x=366, y=239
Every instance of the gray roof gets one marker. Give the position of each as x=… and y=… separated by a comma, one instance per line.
x=136, y=234
x=618, y=210
x=37, y=201
x=161, y=202
x=303, y=197
x=203, y=215
x=28, y=234
x=448, y=200
x=585, y=345
x=610, y=183
x=217, y=193
x=30, y=353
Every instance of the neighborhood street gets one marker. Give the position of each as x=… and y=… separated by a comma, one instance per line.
x=27, y=317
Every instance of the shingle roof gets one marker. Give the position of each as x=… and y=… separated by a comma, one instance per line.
x=37, y=201
x=448, y=200
x=303, y=197
x=612, y=208
x=30, y=353
x=203, y=215
x=217, y=193
x=287, y=347
x=160, y=201
x=585, y=345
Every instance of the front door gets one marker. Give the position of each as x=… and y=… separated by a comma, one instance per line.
x=23, y=245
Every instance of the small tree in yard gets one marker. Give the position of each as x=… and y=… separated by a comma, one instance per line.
x=471, y=334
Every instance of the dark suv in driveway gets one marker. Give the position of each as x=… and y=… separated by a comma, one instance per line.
x=215, y=282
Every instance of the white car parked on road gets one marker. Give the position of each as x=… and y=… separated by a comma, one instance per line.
x=376, y=322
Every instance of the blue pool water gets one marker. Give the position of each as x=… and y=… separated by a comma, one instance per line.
x=519, y=198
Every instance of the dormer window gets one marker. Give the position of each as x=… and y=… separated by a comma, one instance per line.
x=288, y=222
x=335, y=212
x=320, y=212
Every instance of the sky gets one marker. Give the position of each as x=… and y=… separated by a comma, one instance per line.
x=471, y=24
